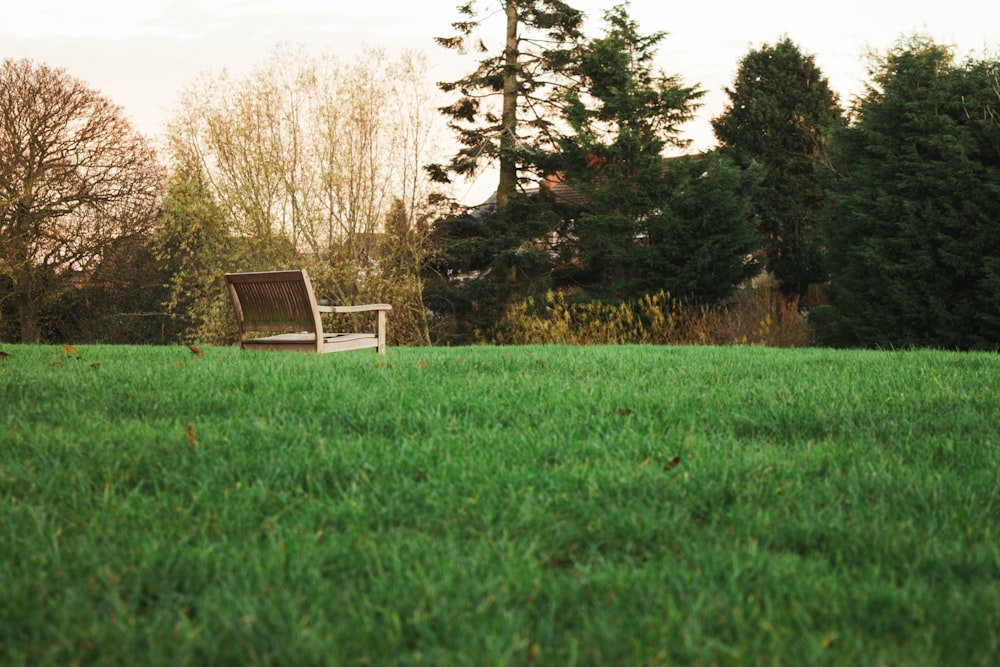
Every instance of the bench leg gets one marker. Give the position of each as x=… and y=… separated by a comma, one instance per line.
x=381, y=331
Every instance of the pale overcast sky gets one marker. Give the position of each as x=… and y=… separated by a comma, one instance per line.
x=140, y=53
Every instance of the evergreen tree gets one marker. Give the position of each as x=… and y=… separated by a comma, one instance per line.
x=623, y=116
x=914, y=234
x=484, y=260
x=633, y=227
x=780, y=115
x=700, y=241
x=537, y=47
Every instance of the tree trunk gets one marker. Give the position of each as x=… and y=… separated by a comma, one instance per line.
x=28, y=319
x=507, y=186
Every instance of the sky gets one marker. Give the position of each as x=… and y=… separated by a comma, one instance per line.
x=142, y=53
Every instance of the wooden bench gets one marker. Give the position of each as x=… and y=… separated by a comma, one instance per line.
x=283, y=304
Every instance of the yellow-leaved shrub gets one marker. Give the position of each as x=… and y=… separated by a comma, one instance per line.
x=755, y=316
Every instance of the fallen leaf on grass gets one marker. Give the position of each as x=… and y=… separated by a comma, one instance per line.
x=72, y=350
x=623, y=411
x=192, y=440
x=196, y=351
x=672, y=463
x=423, y=364
x=4, y=355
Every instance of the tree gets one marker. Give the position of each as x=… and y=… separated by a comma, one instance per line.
x=914, y=237
x=622, y=116
x=483, y=261
x=193, y=242
x=700, y=240
x=75, y=181
x=620, y=233
x=313, y=154
x=781, y=113
x=538, y=39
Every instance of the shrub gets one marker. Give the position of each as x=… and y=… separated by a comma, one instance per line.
x=755, y=316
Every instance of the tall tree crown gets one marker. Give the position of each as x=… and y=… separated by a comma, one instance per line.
x=780, y=105
x=781, y=115
x=502, y=113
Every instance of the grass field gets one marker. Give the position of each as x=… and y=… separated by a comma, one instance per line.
x=499, y=506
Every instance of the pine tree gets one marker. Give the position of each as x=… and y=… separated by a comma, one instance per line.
x=780, y=115
x=484, y=259
x=537, y=47
x=914, y=234
x=700, y=240
x=622, y=116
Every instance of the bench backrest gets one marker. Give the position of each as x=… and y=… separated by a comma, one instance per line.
x=274, y=301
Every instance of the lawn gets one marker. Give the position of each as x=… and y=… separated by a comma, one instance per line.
x=499, y=506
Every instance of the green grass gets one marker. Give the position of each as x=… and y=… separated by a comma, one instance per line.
x=494, y=506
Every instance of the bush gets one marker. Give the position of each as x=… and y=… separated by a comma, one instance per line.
x=755, y=316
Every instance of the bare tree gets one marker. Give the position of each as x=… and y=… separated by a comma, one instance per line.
x=75, y=179
x=316, y=153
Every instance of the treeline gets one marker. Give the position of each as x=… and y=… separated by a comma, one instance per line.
x=875, y=224
x=872, y=226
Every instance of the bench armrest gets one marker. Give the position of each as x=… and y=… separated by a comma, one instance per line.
x=354, y=309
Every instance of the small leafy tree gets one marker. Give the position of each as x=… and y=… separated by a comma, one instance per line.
x=780, y=116
x=914, y=237
x=402, y=253
x=194, y=244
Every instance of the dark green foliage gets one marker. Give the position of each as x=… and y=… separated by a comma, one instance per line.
x=624, y=221
x=648, y=224
x=121, y=302
x=914, y=235
x=623, y=109
x=485, y=259
x=781, y=113
x=695, y=241
x=700, y=241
